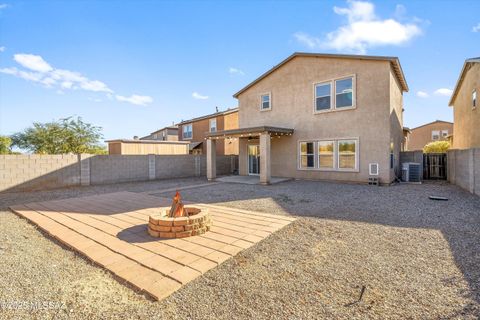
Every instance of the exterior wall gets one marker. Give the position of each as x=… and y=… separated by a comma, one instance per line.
x=138, y=148
x=202, y=126
x=292, y=96
x=396, y=124
x=423, y=135
x=464, y=169
x=41, y=172
x=230, y=121
x=467, y=119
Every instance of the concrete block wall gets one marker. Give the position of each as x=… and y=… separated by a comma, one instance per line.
x=464, y=169
x=35, y=172
x=40, y=172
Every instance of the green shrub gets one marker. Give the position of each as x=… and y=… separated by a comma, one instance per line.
x=437, y=147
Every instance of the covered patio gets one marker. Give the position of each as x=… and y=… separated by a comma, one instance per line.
x=263, y=133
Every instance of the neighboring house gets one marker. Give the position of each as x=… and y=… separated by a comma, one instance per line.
x=320, y=116
x=465, y=103
x=434, y=131
x=136, y=146
x=196, y=130
x=164, y=134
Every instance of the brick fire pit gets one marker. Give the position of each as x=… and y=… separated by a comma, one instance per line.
x=195, y=222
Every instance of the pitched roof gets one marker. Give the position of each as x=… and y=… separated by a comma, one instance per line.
x=393, y=60
x=220, y=113
x=466, y=66
x=436, y=121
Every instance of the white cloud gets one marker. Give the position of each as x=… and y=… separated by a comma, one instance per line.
x=135, y=99
x=2, y=48
x=422, y=94
x=233, y=70
x=32, y=62
x=198, y=96
x=364, y=30
x=444, y=92
x=476, y=28
x=39, y=71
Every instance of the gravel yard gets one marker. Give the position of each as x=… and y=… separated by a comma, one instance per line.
x=417, y=258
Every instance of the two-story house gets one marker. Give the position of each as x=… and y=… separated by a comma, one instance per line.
x=164, y=134
x=434, y=131
x=465, y=103
x=320, y=116
x=196, y=130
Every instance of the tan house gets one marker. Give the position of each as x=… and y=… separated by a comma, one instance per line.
x=320, y=116
x=164, y=134
x=196, y=130
x=136, y=146
x=434, y=131
x=464, y=100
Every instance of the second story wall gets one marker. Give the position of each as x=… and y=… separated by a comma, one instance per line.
x=435, y=131
x=467, y=117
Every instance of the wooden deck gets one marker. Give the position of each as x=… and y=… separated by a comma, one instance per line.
x=111, y=230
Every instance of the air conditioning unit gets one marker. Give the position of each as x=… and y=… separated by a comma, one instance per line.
x=411, y=172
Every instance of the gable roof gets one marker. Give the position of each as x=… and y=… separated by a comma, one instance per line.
x=436, y=121
x=393, y=60
x=466, y=66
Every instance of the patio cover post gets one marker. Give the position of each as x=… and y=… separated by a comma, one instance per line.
x=265, y=173
x=211, y=159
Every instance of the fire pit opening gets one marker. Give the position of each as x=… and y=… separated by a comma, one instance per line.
x=179, y=221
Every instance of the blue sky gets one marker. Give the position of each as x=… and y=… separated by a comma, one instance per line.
x=132, y=67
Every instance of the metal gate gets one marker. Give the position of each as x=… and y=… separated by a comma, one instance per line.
x=435, y=166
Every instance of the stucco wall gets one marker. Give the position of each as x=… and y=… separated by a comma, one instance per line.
x=202, y=126
x=40, y=172
x=396, y=124
x=292, y=96
x=421, y=136
x=467, y=119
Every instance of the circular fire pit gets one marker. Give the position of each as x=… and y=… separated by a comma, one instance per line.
x=195, y=222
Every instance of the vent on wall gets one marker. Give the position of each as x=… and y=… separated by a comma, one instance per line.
x=373, y=169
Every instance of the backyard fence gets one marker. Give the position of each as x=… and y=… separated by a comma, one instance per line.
x=464, y=169
x=39, y=172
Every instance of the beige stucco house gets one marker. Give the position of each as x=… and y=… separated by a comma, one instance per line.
x=320, y=116
x=464, y=100
x=437, y=130
x=165, y=134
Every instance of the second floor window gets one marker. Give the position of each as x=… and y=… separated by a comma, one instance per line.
x=435, y=135
x=266, y=103
x=335, y=95
x=187, y=131
x=213, y=125
x=444, y=133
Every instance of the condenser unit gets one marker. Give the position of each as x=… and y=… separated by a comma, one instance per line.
x=411, y=172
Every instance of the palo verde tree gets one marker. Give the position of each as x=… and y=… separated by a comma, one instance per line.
x=437, y=147
x=5, y=143
x=69, y=135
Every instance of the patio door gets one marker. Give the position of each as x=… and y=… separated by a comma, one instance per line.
x=253, y=159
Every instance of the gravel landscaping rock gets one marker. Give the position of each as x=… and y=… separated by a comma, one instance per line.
x=417, y=258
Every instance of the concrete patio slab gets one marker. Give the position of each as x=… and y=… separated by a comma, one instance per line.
x=111, y=230
x=249, y=179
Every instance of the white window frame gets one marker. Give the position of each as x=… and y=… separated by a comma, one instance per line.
x=353, y=93
x=184, y=131
x=474, y=99
x=214, y=120
x=336, y=155
x=315, y=85
x=299, y=153
x=444, y=133
x=334, y=164
x=357, y=148
x=269, y=94
x=438, y=134
x=333, y=94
